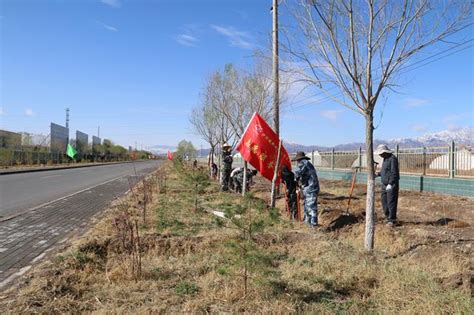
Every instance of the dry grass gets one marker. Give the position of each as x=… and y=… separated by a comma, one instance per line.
x=186, y=266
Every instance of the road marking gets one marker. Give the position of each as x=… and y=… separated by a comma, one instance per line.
x=49, y=176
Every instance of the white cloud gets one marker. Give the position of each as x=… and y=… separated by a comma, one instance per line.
x=189, y=35
x=331, y=114
x=419, y=127
x=235, y=37
x=415, y=102
x=29, y=112
x=112, y=3
x=187, y=40
x=108, y=27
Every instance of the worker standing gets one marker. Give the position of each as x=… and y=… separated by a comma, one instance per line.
x=305, y=174
x=226, y=167
x=390, y=176
x=288, y=179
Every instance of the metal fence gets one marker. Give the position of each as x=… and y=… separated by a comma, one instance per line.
x=10, y=158
x=450, y=161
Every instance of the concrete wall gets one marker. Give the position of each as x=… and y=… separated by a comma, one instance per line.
x=451, y=186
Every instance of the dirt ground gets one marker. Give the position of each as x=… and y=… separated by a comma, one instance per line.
x=188, y=261
x=429, y=226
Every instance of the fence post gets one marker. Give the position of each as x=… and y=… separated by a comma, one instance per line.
x=424, y=161
x=360, y=158
x=452, y=160
x=312, y=157
x=333, y=159
x=397, y=149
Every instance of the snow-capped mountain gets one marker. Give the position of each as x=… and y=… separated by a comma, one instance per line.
x=462, y=136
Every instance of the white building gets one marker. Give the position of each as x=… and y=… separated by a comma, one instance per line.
x=464, y=161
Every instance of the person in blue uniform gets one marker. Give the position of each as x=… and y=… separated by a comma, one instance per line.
x=306, y=176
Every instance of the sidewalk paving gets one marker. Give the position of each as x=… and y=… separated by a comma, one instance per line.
x=25, y=239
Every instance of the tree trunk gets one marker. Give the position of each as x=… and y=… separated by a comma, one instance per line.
x=370, y=201
x=244, y=181
x=209, y=161
x=221, y=165
x=273, y=193
x=213, y=148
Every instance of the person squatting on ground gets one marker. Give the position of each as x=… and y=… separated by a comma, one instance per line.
x=305, y=174
x=226, y=167
x=214, y=170
x=390, y=177
x=237, y=178
x=289, y=180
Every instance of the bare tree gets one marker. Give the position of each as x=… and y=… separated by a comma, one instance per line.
x=204, y=120
x=239, y=95
x=361, y=47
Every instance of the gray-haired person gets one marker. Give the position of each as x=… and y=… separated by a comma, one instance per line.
x=390, y=176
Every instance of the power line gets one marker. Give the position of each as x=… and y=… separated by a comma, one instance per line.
x=423, y=61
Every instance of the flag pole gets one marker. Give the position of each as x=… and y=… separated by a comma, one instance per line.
x=275, y=176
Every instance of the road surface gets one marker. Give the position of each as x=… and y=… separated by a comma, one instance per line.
x=20, y=192
x=45, y=208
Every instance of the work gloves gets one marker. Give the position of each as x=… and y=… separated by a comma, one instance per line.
x=389, y=187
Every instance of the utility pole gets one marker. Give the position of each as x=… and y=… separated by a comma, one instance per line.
x=67, y=117
x=276, y=80
x=98, y=131
x=276, y=91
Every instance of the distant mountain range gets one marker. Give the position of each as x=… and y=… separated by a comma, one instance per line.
x=462, y=136
x=161, y=149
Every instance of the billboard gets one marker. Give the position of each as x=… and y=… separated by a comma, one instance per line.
x=95, y=142
x=10, y=139
x=59, y=138
x=82, y=139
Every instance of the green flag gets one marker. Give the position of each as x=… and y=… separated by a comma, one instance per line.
x=71, y=152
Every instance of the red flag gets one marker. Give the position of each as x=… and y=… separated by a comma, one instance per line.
x=170, y=155
x=259, y=147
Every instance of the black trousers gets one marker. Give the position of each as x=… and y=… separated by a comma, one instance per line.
x=225, y=179
x=390, y=202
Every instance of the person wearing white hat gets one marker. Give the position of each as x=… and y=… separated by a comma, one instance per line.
x=390, y=177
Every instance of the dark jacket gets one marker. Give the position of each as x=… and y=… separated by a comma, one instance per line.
x=289, y=179
x=227, y=160
x=390, y=172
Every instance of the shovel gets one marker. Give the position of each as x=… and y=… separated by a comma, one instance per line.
x=354, y=179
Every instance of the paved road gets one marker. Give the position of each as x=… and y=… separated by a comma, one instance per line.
x=72, y=197
x=20, y=192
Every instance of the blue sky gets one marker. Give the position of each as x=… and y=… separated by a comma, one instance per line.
x=136, y=68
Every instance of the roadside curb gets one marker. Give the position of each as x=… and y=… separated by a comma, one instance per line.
x=8, y=172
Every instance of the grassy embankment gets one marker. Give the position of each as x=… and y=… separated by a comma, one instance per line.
x=185, y=259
